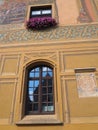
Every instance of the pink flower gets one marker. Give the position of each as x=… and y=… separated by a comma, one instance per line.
x=40, y=23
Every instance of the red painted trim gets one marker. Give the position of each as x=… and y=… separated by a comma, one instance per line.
x=90, y=9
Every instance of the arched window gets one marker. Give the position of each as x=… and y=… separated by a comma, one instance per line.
x=40, y=89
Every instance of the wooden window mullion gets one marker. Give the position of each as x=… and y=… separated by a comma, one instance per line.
x=40, y=89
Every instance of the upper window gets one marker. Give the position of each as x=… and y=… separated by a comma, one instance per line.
x=40, y=90
x=41, y=11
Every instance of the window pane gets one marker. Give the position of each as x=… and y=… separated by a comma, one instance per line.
x=44, y=98
x=31, y=98
x=36, y=74
x=49, y=69
x=46, y=11
x=44, y=74
x=50, y=107
x=44, y=82
x=49, y=89
x=50, y=82
x=50, y=98
x=44, y=107
x=44, y=69
x=35, y=107
x=29, y=106
x=35, y=90
x=37, y=69
x=47, y=74
x=30, y=91
x=36, y=12
x=44, y=90
x=31, y=74
x=31, y=83
x=32, y=70
x=50, y=74
x=35, y=98
x=36, y=83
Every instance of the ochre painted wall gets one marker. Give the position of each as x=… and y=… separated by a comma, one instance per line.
x=69, y=47
x=69, y=8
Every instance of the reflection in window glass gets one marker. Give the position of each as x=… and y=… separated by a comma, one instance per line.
x=50, y=74
x=31, y=98
x=30, y=91
x=35, y=90
x=36, y=83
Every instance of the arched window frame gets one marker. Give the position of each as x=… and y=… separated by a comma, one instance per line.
x=38, y=104
x=53, y=118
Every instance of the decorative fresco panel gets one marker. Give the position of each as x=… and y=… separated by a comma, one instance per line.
x=80, y=32
x=86, y=84
x=96, y=5
x=14, y=11
x=86, y=13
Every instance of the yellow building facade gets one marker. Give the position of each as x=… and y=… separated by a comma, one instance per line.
x=70, y=50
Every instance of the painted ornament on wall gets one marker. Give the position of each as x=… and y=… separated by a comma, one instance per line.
x=87, y=13
x=12, y=11
x=86, y=84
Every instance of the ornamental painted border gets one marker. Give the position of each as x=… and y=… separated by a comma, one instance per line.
x=72, y=32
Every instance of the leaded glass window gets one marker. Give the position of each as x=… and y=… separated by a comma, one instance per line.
x=40, y=90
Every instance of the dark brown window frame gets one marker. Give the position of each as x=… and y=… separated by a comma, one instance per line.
x=39, y=102
x=40, y=8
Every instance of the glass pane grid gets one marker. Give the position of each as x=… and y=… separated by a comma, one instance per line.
x=40, y=90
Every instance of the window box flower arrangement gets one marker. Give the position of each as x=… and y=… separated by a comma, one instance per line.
x=40, y=23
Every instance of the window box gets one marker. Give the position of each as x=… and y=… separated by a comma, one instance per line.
x=40, y=23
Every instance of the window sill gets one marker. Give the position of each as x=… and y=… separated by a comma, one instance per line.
x=39, y=120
